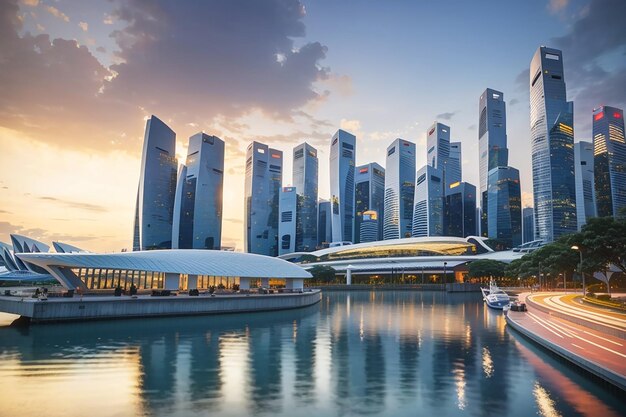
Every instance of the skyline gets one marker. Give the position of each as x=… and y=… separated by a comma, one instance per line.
x=325, y=100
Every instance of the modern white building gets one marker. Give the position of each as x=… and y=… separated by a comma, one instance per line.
x=585, y=191
x=342, y=159
x=428, y=211
x=288, y=207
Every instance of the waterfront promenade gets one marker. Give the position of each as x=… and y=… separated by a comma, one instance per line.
x=557, y=323
x=111, y=307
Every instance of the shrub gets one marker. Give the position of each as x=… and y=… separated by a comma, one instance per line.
x=603, y=297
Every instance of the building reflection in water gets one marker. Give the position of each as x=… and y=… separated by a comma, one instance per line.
x=362, y=353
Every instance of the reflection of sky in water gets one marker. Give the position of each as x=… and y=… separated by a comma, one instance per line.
x=366, y=353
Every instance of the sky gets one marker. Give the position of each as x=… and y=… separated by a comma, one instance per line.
x=79, y=79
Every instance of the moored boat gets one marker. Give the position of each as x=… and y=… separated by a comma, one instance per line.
x=494, y=297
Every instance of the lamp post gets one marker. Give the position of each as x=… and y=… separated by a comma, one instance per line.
x=445, y=274
x=580, y=266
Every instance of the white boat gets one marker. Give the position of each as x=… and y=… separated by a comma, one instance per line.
x=495, y=297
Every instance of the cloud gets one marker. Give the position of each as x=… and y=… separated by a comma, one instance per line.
x=471, y=127
x=523, y=79
x=513, y=102
x=57, y=13
x=101, y=49
x=42, y=235
x=446, y=116
x=233, y=220
x=556, y=6
x=350, y=125
x=75, y=204
x=31, y=3
x=593, y=53
x=108, y=19
x=84, y=26
x=241, y=55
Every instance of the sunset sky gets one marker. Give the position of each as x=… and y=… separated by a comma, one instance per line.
x=79, y=78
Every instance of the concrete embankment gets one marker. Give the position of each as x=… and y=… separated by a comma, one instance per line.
x=450, y=287
x=107, y=307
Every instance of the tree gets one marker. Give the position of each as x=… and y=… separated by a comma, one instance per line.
x=486, y=268
x=323, y=273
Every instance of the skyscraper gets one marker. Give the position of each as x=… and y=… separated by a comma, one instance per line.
x=369, y=195
x=455, y=169
x=197, y=222
x=460, y=210
x=399, y=190
x=369, y=226
x=263, y=182
x=157, y=186
x=528, y=223
x=429, y=200
x=438, y=146
x=505, y=199
x=609, y=161
x=288, y=219
x=492, y=143
x=324, y=230
x=552, y=135
x=342, y=157
x=305, y=167
x=585, y=195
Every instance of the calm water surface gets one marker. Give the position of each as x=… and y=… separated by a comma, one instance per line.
x=359, y=353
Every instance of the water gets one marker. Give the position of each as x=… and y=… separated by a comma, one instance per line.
x=359, y=353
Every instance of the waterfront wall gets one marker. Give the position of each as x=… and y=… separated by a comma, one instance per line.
x=456, y=287
x=99, y=308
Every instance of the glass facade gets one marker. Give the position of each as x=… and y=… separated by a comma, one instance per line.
x=460, y=210
x=369, y=230
x=305, y=179
x=198, y=203
x=263, y=181
x=438, y=146
x=290, y=211
x=157, y=186
x=609, y=161
x=399, y=190
x=585, y=195
x=324, y=232
x=506, y=201
x=368, y=195
x=492, y=143
x=342, y=157
x=455, y=161
x=552, y=136
x=528, y=214
x=428, y=211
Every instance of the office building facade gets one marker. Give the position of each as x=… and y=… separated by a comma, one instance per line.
x=157, y=187
x=399, y=190
x=197, y=222
x=609, y=161
x=369, y=227
x=428, y=211
x=492, y=144
x=289, y=213
x=460, y=210
x=368, y=195
x=305, y=175
x=263, y=182
x=585, y=193
x=505, y=200
x=324, y=229
x=528, y=223
x=342, y=158
x=552, y=137
x=438, y=146
x=455, y=161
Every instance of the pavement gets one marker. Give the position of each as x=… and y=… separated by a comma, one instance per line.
x=580, y=344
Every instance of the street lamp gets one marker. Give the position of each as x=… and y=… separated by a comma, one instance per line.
x=580, y=266
x=445, y=274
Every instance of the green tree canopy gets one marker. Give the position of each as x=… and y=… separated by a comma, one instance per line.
x=483, y=268
x=323, y=273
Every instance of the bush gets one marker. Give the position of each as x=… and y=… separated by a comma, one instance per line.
x=603, y=297
x=591, y=294
x=194, y=292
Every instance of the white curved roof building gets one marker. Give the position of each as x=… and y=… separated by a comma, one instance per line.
x=169, y=269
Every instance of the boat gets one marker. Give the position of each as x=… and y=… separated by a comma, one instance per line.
x=494, y=297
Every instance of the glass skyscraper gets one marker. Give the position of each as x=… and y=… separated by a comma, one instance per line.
x=324, y=230
x=438, y=146
x=609, y=161
x=428, y=211
x=528, y=223
x=369, y=195
x=263, y=181
x=399, y=190
x=289, y=213
x=552, y=136
x=369, y=226
x=197, y=222
x=342, y=157
x=455, y=161
x=305, y=169
x=505, y=199
x=492, y=143
x=460, y=210
x=585, y=195
x=157, y=186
